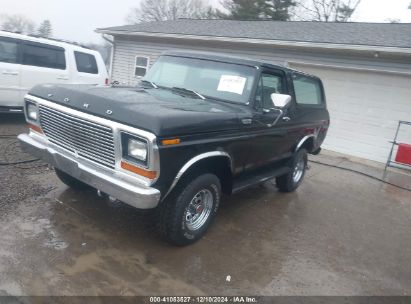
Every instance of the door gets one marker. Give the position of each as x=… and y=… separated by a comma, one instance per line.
x=42, y=63
x=9, y=72
x=270, y=143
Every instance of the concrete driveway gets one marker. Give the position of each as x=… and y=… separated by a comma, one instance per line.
x=340, y=234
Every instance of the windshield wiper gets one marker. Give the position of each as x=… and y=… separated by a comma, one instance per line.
x=150, y=83
x=189, y=91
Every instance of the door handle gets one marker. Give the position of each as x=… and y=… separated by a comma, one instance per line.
x=286, y=118
x=10, y=73
x=62, y=78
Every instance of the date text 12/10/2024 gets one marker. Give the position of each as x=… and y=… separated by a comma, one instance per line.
x=204, y=299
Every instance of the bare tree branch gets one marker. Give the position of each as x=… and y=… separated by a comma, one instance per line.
x=327, y=10
x=17, y=23
x=161, y=10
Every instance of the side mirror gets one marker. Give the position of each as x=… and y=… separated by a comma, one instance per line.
x=280, y=101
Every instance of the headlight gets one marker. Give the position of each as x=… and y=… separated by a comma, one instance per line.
x=137, y=149
x=32, y=112
x=134, y=148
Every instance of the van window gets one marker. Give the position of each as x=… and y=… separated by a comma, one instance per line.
x=86, y=63
x=307, y=90
x=141, y=66
x=43, y=55
x=8, y=50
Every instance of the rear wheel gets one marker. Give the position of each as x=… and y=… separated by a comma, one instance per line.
x=185, y=216
x=71, y=181
x=292, y=180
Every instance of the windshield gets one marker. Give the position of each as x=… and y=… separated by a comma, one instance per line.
x=231, y=82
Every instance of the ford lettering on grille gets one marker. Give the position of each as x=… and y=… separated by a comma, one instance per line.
x=84, y=138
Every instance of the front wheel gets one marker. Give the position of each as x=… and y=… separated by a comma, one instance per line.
x=292, y=180
x=185, y=216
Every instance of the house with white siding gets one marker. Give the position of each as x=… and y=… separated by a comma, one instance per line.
x=365, y=67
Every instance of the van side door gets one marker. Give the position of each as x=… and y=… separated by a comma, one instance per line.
x=42, y=63
x=9, y=73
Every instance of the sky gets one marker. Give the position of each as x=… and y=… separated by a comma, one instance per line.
x=76, y=20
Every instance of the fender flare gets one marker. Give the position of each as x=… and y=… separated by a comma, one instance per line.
x=192, y=162
x=303, y=140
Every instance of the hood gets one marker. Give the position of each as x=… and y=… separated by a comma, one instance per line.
x=160, y=111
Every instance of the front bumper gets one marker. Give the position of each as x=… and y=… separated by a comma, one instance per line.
x=136, y=195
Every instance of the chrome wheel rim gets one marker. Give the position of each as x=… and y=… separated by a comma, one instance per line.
x=298, y=170
x=199, y=209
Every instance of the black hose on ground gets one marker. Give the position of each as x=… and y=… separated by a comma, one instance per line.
x=13, y=136
x=361, y=173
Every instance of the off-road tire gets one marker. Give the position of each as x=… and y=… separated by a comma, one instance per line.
x=287, y=183
x=71, y=181
x=171, y=213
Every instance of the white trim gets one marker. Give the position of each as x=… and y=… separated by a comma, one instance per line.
x=140, y=66
x=302, y=44
x=113, y=49
x=111, y=55
x=349, y=68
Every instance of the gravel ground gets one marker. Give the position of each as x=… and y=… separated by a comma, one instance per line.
x=14, y=186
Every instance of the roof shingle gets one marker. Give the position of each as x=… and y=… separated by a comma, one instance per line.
x=372, y=34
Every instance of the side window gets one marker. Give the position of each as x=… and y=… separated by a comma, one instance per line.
x=42, y=55
x=307, y=90
x=86, y=63
x=141, y=66
x=8, y=50
x=268, y=84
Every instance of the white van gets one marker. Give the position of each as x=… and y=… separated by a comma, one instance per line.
x=26, y=61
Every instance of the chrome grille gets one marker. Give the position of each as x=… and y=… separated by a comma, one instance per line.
x=90, y=140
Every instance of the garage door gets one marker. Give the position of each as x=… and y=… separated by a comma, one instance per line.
x=365, y=108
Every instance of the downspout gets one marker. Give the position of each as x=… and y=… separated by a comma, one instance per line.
x=111, y=55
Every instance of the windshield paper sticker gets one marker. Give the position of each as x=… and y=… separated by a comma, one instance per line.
x=232, y=84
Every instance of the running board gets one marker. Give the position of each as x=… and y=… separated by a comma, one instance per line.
x=256, y=179
x=4, y=109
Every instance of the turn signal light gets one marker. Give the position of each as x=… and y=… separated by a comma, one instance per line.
x=35, y=128
x=170, y=142
x=139, y=171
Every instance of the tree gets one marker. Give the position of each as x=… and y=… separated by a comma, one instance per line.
x=243, y=9
x=327, y=10
x=45, y=29
x=160, y=10
x=280, y=9
x=17, y=23
x=256, y=9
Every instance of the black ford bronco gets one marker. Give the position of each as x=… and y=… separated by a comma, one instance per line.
x=196, y=126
